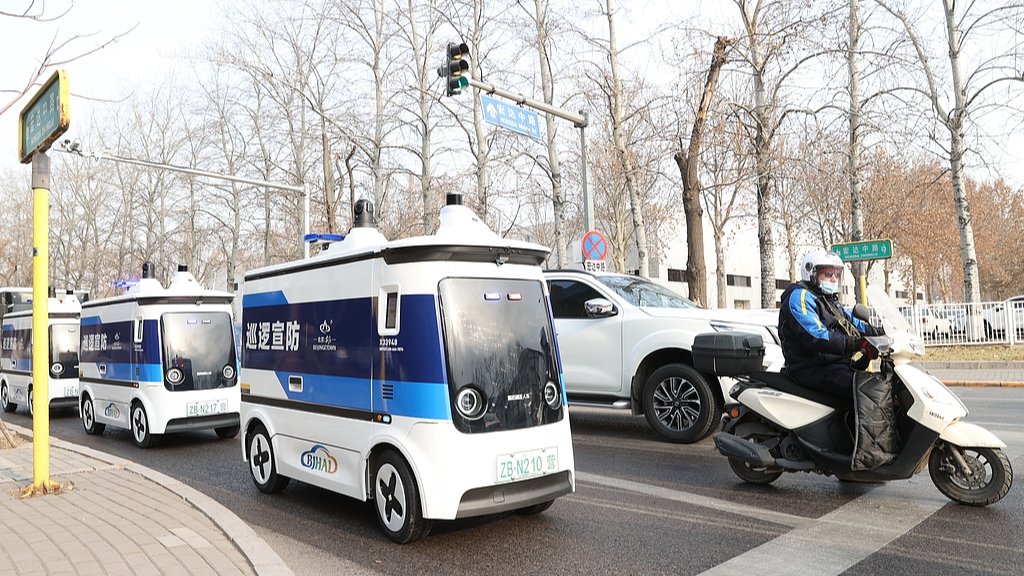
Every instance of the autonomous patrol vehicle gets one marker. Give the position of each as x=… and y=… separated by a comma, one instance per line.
x=421, y=374
x=158, y=361
x=16, y=371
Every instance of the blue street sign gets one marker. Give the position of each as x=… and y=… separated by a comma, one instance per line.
x=510, y=116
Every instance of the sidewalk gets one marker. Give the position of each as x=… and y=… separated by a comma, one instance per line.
x=1001, y=374
x=117, y=517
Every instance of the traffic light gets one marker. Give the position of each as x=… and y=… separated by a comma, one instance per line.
x=456, y=68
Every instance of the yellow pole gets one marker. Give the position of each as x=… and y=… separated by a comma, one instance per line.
x=864, y=289
x=40, y=328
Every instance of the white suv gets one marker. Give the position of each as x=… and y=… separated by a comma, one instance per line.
x=625, y=343
x=996, y=318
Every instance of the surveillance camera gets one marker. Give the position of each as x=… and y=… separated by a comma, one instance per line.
x=76, y=146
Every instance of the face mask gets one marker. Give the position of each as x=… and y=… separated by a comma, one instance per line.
x=829, y=287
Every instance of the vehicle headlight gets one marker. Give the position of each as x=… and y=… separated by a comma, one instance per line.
x=470, y=403
x=552, y=396
x=228, y=372
x=57, y=368
x=175, y=376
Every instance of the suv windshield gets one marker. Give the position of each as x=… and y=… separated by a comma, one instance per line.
x=645, y=294
x=498, y=340
x=64, y=340
x=199, y=350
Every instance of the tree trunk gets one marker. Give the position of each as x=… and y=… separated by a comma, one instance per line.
x=688, y=161
x=853, y=160
x=555, y=174
x=625, y=157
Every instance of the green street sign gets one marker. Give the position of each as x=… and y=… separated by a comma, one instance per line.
x=46, y=117
x=866, y=250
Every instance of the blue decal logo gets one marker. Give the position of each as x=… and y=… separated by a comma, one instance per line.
x=318, y=458
x=111, y=411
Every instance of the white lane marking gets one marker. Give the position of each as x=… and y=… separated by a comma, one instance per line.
x=844, y=537
x=782, y=518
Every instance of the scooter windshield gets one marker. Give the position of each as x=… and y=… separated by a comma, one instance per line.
x=892, y=320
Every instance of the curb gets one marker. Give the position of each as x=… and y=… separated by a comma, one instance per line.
x=971, y=365
x=985, y=384
x=263, y=559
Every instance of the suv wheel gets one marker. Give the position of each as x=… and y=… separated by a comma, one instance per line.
x=679, y=404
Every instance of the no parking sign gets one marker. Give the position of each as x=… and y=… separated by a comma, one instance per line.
x=595, y=248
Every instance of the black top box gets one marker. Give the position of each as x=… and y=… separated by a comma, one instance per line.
x=728, y=353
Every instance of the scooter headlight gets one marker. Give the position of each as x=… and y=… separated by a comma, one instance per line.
x=470, y=403
x=175, y=376
x=57, y=368
x=552, y=396
x=228, y=372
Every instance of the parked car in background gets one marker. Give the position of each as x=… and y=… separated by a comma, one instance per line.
x=930, y=323
x=1009, y=311
x=625, y=342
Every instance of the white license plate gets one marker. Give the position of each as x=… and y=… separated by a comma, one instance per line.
x=526, y=464
x=70, y=391
x=206, y=408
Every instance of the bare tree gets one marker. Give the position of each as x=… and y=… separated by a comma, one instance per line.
x=687, y=160
x=970, y=91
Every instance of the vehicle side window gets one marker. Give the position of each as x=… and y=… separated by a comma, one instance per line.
x=568, y=297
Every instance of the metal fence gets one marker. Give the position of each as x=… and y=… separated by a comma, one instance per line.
x=968, y=324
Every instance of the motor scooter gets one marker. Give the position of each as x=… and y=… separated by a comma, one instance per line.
x=777, y=426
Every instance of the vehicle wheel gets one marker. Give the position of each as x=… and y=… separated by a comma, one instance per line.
x=5, y=399
x=760, y=434
x=397, y=500
x=31, y=403
x=140, y=427
x=988, y=481
x=227, y=431
x=679, y=404
x=92, y=427
x=989, y=332
x=263, y=462
x=535, y=509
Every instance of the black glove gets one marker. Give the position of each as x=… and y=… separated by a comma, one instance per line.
x=863, y=353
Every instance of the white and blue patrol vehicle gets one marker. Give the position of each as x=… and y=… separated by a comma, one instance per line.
x=421, y=374
x=16, y=372
x=158, y=361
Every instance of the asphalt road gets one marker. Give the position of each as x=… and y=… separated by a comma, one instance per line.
x=642, y=506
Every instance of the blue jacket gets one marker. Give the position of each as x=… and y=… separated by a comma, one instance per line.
x=812, y=338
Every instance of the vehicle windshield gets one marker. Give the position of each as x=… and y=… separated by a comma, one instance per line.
x=644, y=293
x=201, y=345
x=64, y=339
x=499, y=340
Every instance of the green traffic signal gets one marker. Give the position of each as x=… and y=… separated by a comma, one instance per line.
x=456, y=68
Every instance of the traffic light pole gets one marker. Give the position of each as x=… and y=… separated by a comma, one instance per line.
x=75, y=148
x=579, y=120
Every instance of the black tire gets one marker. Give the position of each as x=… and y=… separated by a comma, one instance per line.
x=989, y=332
x=88, y=413
x=397, y=500
x=535, y=509
x=990, y=478
x=759, y=433
x=5, y=399
x=31, y=402
x=227, y=431
x=263, y=462
x=141, y=433
x=679, y=404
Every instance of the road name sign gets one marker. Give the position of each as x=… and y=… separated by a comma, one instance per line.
x=46, y=117
x=865, y=250
x=510, y=116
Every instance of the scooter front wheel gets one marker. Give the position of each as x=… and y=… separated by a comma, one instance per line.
x=985, y=480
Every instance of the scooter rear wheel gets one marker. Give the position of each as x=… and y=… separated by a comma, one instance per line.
x=988, y=481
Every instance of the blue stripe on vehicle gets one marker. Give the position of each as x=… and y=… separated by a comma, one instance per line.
x=413, y=399
x=274, y=298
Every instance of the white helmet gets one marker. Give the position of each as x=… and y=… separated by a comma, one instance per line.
x=818, y=261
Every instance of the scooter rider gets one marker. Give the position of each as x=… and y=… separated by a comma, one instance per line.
x=819, y=337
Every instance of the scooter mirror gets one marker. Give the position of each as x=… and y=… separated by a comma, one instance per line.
x=862, y=312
